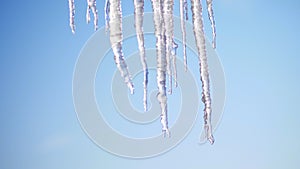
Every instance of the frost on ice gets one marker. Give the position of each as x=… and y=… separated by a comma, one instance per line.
x=165, y=47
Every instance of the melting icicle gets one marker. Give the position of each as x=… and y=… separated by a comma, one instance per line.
x=161, y=63
x=116, y=38
x=204, y=75
x=169, y=26
x=183, y=17
x=106, y=11
x=138, y=15
x=91, y=5
x=72, y=15
x=212, y=21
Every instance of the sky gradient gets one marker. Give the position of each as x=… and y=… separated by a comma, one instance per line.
x=257, y=42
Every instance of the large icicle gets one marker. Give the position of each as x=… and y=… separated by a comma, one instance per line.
x=169, y=27
x=116, y=38
x=138, y=16
x=72, y=15
x=204, y=75
x=183, y=17
x=106, y=13
x=91, y=5
x=212, y=21
x=161, y=63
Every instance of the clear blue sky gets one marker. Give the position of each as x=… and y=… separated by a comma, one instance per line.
x=257, y=42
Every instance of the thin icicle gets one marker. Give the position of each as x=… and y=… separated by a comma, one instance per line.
x=169, y=26
x=212, y=21
x=91, y=5
x=116, y=38
x=72, y=15
x=183, y=17
x=186, y=9
x=138, y=15
x=174, y=52
x=106, y=12
x=88, y=8
x=161, y=63
x=204, y=74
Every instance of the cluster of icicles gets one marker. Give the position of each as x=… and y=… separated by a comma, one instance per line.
x=165, y=47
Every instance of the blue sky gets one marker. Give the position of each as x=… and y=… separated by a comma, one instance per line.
x=257, y=42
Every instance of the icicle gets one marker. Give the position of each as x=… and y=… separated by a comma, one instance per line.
x=116, y=38
x=91, y=5
x=186, y=9
x=72, y=15
x=174, y=52
x=88, y=8
x=183, y=17
x=204, y=75
x=212, y=21
x=161, y=63
x=138, y=15
x=169, y=26
x=165, y=47
x=106, y=11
